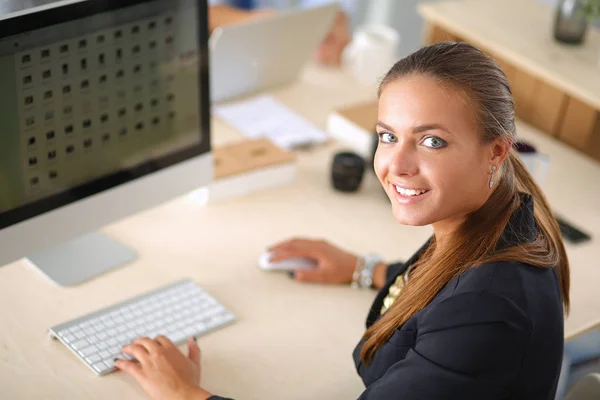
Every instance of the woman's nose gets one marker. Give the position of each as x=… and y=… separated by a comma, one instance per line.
x=404, y=161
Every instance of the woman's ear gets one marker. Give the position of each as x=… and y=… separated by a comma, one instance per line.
x=499, y=150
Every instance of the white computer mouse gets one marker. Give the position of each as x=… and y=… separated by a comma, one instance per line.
x=289, y=264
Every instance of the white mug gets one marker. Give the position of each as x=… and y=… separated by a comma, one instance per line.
x=536, y=163
x=372, y=53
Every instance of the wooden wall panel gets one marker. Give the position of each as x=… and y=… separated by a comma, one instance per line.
x=578, y=125
x=595, y=142
x=508, y=70
x=434, y=34
x=525, y=91
x=548, y=108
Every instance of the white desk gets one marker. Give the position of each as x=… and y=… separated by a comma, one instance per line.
x=292, y=341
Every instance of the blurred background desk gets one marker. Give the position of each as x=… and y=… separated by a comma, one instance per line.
x=292, y=341
x=556, y=86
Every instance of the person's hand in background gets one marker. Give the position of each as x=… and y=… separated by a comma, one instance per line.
x=331, y=49
x=334, y=265
x=222, y=14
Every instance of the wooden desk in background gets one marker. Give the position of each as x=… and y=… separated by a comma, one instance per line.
x=291, y=341
x=556, y=86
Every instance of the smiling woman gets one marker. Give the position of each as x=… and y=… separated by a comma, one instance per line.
x=445, y=158
x=477, y=312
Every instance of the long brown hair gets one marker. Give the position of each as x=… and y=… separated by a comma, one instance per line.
x=479, y=78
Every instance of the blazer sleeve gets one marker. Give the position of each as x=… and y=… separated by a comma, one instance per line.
x=470, y=345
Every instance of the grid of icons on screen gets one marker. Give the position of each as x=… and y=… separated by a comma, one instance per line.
x=86, y=96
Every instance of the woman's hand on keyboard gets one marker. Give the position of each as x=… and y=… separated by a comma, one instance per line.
x=163, y=371
x=334, y=265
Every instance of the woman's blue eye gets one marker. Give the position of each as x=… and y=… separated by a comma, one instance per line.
x=434, y=142
x=386, y=137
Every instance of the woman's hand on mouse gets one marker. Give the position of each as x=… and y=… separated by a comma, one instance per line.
x=163, y=371
x=334, y=265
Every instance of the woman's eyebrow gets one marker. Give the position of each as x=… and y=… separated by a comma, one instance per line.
x=417, y=129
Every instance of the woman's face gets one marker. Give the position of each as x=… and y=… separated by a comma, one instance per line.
x=430, y=159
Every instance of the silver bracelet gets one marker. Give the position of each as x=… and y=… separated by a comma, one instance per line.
x=371, y=261
x=356, y=276
x=363, y=273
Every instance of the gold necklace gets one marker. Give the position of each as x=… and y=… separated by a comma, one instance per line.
x=394, y=291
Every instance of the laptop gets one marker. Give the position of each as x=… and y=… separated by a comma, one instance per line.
x=265, y=52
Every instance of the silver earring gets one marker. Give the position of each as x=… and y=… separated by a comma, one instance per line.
x=492, y=176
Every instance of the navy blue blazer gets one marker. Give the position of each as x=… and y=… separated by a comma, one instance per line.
x=494, y=332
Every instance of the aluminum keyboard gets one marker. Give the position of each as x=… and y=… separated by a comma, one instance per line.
x=177, y=311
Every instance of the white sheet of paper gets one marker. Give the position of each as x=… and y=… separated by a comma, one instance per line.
x=263, y=116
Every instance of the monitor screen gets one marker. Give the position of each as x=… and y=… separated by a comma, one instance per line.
x=95, y=94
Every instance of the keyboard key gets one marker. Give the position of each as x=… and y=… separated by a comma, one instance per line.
x=200, y=327
x=127, y=316
x=93, y=339
x=104, y=354
x=69, y=338
x=80, y=344
x=189, y=331
x=138, y=312
x=94, y=358
x=177, y=336
x=100, y=367
x=109, y=323
x=84, y=324
x=88, y=351
x=102, y=345
x=75, y=328
x=80, y=334
x=109, y=362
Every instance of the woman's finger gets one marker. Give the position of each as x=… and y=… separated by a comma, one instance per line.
x=193, y=351
x=306, y=249
x=287, y=244
x=130, y=368
x=137, y=351
x=150, y=345
x=164, y=342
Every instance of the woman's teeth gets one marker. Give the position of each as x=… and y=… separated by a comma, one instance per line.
x=409, y=192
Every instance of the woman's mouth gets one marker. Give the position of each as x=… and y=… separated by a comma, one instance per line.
x=405, y=195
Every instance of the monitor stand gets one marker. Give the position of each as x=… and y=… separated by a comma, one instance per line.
x=81, y=259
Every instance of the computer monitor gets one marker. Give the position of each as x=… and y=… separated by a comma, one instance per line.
x=104, y=112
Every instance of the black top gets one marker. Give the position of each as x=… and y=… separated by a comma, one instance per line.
x=494, y=332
